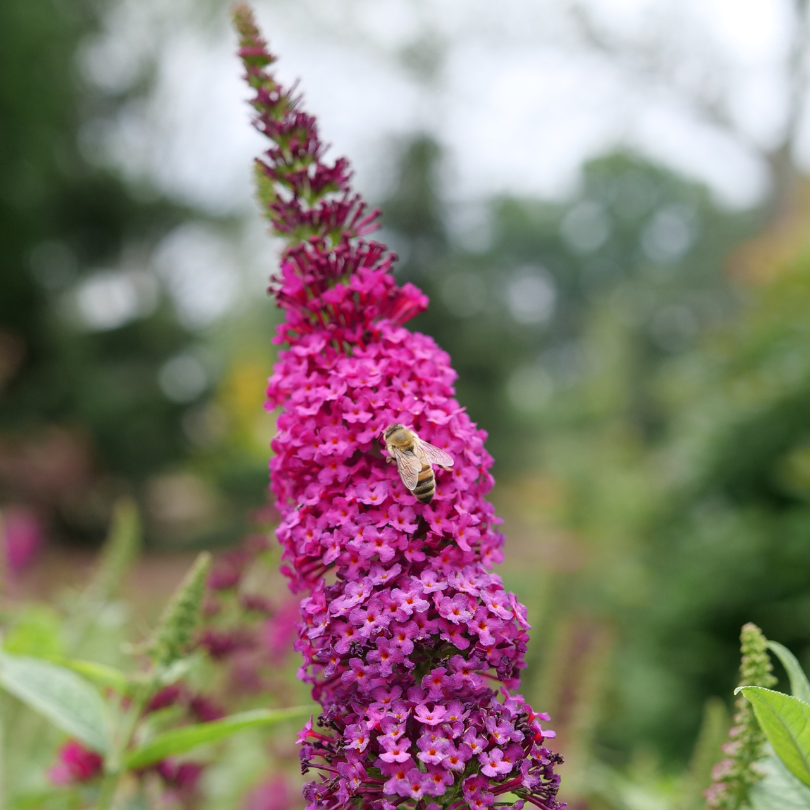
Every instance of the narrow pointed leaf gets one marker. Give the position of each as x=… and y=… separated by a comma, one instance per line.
x=62, y=696
x=785, y=720
x=799, y=685
x=180, y=740
x=99, y=674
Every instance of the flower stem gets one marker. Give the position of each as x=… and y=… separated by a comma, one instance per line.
x=114, y=767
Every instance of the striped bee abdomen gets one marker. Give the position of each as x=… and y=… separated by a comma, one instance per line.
x=426, y=484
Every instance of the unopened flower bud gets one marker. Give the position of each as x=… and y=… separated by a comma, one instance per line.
x=175, y=631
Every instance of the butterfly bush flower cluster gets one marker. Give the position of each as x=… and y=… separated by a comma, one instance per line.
x=409, y=640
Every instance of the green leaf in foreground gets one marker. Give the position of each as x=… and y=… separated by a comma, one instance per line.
x=785, y=720
x=62, y=696
x=179, y=740
x=779, y=789
x=100, y=674
x=799, y=686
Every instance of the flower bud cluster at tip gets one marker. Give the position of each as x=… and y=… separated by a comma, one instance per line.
x=409, y=640
x=328, y=269
x=734, y=776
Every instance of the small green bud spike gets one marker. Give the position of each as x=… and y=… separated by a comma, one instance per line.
x=175, y=631
x=122, y=547
x=713, y=733
x=735, y=775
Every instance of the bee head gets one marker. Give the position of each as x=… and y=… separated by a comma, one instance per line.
x=391, y=429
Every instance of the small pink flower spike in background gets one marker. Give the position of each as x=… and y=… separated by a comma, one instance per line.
x=75, y=764
x=22, y=538
x=413, y=645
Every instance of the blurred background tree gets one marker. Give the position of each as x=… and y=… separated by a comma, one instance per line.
x=517, y=292
x=104, y=378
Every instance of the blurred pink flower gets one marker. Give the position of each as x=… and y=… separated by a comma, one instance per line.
x=76, y=764
x=281, y=630
x=206, y=709
x=275, y=794
x=23, y=538
x=181, y=778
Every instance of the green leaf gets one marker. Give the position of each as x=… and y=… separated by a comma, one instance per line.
x=786, y=723
x=36, y=630
x=799, y=686
x=180, y=740
x=100, y=674
x=779, y=789
x=64, y=698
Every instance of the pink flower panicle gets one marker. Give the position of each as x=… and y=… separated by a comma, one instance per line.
x=409, y=640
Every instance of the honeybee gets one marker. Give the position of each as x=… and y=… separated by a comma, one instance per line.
x=415, y=459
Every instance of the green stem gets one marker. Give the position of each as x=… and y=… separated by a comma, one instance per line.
x=114, y=766
x=108, y=789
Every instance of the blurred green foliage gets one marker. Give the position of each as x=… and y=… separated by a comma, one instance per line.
x=537, y=300
x=726, y=539
x=63, y=218
x=103, y=383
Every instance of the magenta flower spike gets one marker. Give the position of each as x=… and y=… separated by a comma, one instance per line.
x=409, y=640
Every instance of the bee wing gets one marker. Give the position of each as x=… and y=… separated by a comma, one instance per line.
x=432, y=454
x=408, y=466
